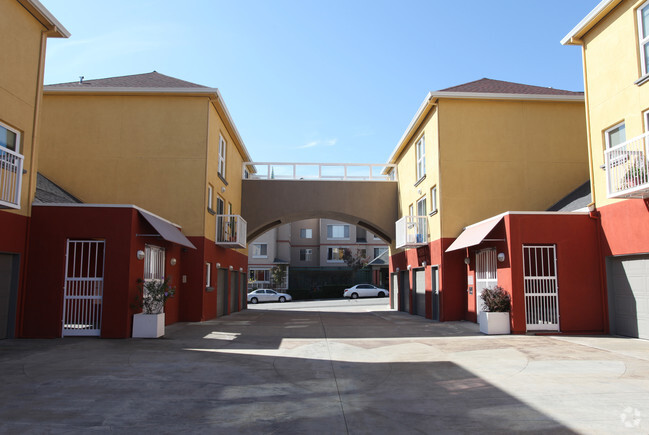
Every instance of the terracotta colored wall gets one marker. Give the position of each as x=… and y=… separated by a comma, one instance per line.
x=452, y=282
x=625, y=226
x=51, y=227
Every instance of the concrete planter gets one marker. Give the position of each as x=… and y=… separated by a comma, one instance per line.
x=148, y=325
x=494, y=323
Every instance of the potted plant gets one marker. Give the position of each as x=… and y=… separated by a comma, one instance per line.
x=495, y=318
x=151, y=297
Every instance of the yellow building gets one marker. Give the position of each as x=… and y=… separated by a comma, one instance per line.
x=25, y=26
x=471, y=152
x=168, y=146
x=615, y=47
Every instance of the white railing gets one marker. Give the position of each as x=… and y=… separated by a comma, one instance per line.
x=11, y=175
x=320, y=171
x=411, y=231
x=627, y=169
x=231, y=230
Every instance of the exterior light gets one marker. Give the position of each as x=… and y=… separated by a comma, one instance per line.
x=423, y=263
x=241, y=269
x=467, y=260
x=140, y=255
x=501, y=256
x=409, y=267
x=396, y=270
x=231, y=267
x=172, y=261
x=218, y=265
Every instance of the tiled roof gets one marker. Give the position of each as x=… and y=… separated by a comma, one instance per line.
x=578, y=199
x=48, y=192
x=148, y=80
x=489, y=86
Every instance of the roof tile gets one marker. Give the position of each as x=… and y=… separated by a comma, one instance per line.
x=147, y=80
x=489, y=86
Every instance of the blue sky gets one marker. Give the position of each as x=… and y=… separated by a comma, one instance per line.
x=320, y=81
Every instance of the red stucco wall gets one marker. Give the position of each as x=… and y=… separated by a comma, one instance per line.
x=625, y=227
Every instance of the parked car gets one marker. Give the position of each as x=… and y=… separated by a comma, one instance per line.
x=365, y=291
x=267, y=295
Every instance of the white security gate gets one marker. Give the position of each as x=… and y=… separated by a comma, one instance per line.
x=485, y=275
x=84, y=288
x=541, y=288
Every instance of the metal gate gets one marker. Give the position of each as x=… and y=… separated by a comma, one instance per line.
x=84, y=288
x=485, y=275
x=541, y=287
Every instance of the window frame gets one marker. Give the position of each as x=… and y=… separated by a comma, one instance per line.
x=380, y=251
x=208, y=275
x=308, y=254
x=330, y=251
x=210, y=198
x=306, y=233
x=607, y=135
x=433, y=200
x=223, y=145
x=420, y=158
x=345, y=235
x=643, y=42
x=260, y=255
x=419, y=201
x=18, y=137
x=220, y=205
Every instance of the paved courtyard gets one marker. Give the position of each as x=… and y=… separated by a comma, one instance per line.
x=354, y=367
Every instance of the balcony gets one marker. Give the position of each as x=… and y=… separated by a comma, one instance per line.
x=411, y=231
x=627, y=169
x=11, y=171
x=231, y=231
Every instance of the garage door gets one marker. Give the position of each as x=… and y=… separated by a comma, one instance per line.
x=628, y=288
x=420, y=292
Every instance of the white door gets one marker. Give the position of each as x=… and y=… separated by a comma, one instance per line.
x=541, y=288
x=485, y=275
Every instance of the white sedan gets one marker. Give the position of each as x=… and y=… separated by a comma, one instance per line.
x=266, y=295
x=365, y=291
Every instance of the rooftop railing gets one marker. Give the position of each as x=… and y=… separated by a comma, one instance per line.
x=320, y=171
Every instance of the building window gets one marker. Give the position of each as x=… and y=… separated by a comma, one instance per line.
x=222, y=149
x=220, y=205
x=411, y=210
x=259, y=275
x=421, y=158
x=421, y=207
x=260, y=250
x=361, y=235
x=379, y=251
x=643, y=33
x=306, y=233
x=9, y=138
x=154, y=263
x=210, y=197
x=615, y=135
x=335, y=255
x=433, y=200
x=338, y=231
x=306, y=254
x=208, y=275
x=645, y=116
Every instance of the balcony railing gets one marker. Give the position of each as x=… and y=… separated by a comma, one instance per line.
x=411, y=231
x=11, y=175
x=627, y=169
x=231, y=231
x=320, y=171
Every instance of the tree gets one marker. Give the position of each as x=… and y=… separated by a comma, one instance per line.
x=277, y=275
x=355, y=261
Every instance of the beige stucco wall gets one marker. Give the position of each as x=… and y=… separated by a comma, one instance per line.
x=612, y=64
x=156, y=151
x=490, y=156
x=20, y=86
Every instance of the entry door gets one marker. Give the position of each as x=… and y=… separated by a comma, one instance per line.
x=404, y=292
x=434, y=279
x=420, y=293
x=84, y=288
x=9, y=269
x=242, y=291
x=221, y=291
x=485, y=275
x=541, y=288
x=233, y=292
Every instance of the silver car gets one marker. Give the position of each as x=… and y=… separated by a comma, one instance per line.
x=267, y=295
x=365, y=291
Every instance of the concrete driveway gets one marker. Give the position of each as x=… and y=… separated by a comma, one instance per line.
x=355, y=367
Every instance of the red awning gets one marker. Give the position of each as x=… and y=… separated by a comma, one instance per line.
x=474, y=234
x=166, y=230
